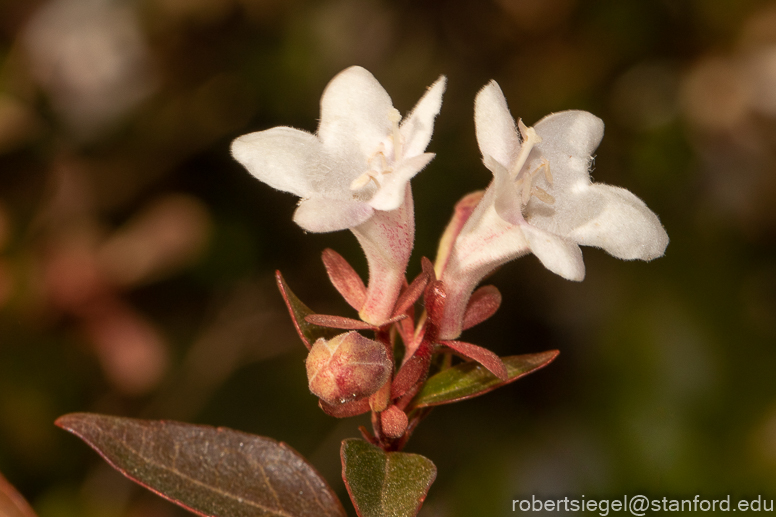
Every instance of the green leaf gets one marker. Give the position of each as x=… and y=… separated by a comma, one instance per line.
x=308, y=332
x=383, y=484
x=12, y=504
x=211, y=472
x=468, y=380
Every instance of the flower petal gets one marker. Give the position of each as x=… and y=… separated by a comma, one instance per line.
x=391, y=194
x=386, y=239
x=417, y=127
x=574, y=131
x=319, y=214
x=561, y=256
x=280, y=157
x=569, y=138
x=355, y=112
x=507, y=204
x=495, y=127
x=620, y=223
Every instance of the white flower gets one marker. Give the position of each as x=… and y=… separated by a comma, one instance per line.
x=542, y=201
x=359, y=161
x=354, y=174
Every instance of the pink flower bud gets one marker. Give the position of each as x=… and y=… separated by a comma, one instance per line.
x=347, y=367
x=394, y=422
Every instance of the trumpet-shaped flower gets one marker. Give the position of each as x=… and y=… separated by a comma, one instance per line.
x=354, y=173
x=359, y=161
x=541, y=201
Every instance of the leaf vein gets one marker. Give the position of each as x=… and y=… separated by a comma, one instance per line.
x=206, y=486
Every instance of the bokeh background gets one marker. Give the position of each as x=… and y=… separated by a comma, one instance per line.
x=137, y=259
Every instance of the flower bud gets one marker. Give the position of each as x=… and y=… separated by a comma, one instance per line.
x=347, y=367
x=394, y=422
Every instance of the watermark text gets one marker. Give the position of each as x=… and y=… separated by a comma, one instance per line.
x=639, y=505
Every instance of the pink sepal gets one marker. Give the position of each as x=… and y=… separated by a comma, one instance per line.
x=348, y=409
x=483, y=304
x=481, y=355
x=344, y=278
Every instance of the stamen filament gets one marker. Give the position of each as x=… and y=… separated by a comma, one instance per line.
x=362, y=181
x=395, y=117
x=530, y=139
x=525, y=184
x=526, y=194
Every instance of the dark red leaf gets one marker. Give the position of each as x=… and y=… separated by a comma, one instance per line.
x=308, y=332
x=344, y=278
x=482, y=355
x=209, y=471
x=483, y=304
x=12, y=504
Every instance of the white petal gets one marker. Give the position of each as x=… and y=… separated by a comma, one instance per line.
x=320, y=214
x=391, y=193
x=620, y=223
x=574, y=131
x=280, y=157
x=355, y=113
x=418, y=126
x=495, y=127
x=569, y=138
x=561, y=256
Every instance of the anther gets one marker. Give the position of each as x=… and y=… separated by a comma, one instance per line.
x=527, y=189
x=543, y=195
x=546, y=166
x=363, y=180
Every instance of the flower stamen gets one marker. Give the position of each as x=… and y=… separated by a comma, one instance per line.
x=375, y=170
x=527, y=189
x=542, y=195
x=394, y=116
x=529, y=139
x=363, y=180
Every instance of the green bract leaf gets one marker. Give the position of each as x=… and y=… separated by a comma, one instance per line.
x=12, y=504
x=468, y=380
x=385, y=484
x=212, y=472
x=309, y=332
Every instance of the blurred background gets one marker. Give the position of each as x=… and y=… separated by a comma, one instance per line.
x=137, y=259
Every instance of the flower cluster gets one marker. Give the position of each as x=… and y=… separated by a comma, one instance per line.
x=354, y=174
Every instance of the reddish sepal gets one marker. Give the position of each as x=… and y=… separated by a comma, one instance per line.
x=344, y=278
x=308, y=332
x=345, y=410
x=483, y=304
x=413, y=371
x=337, y=322
x=482, y=355
x=428, y=268
x=411, y=294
